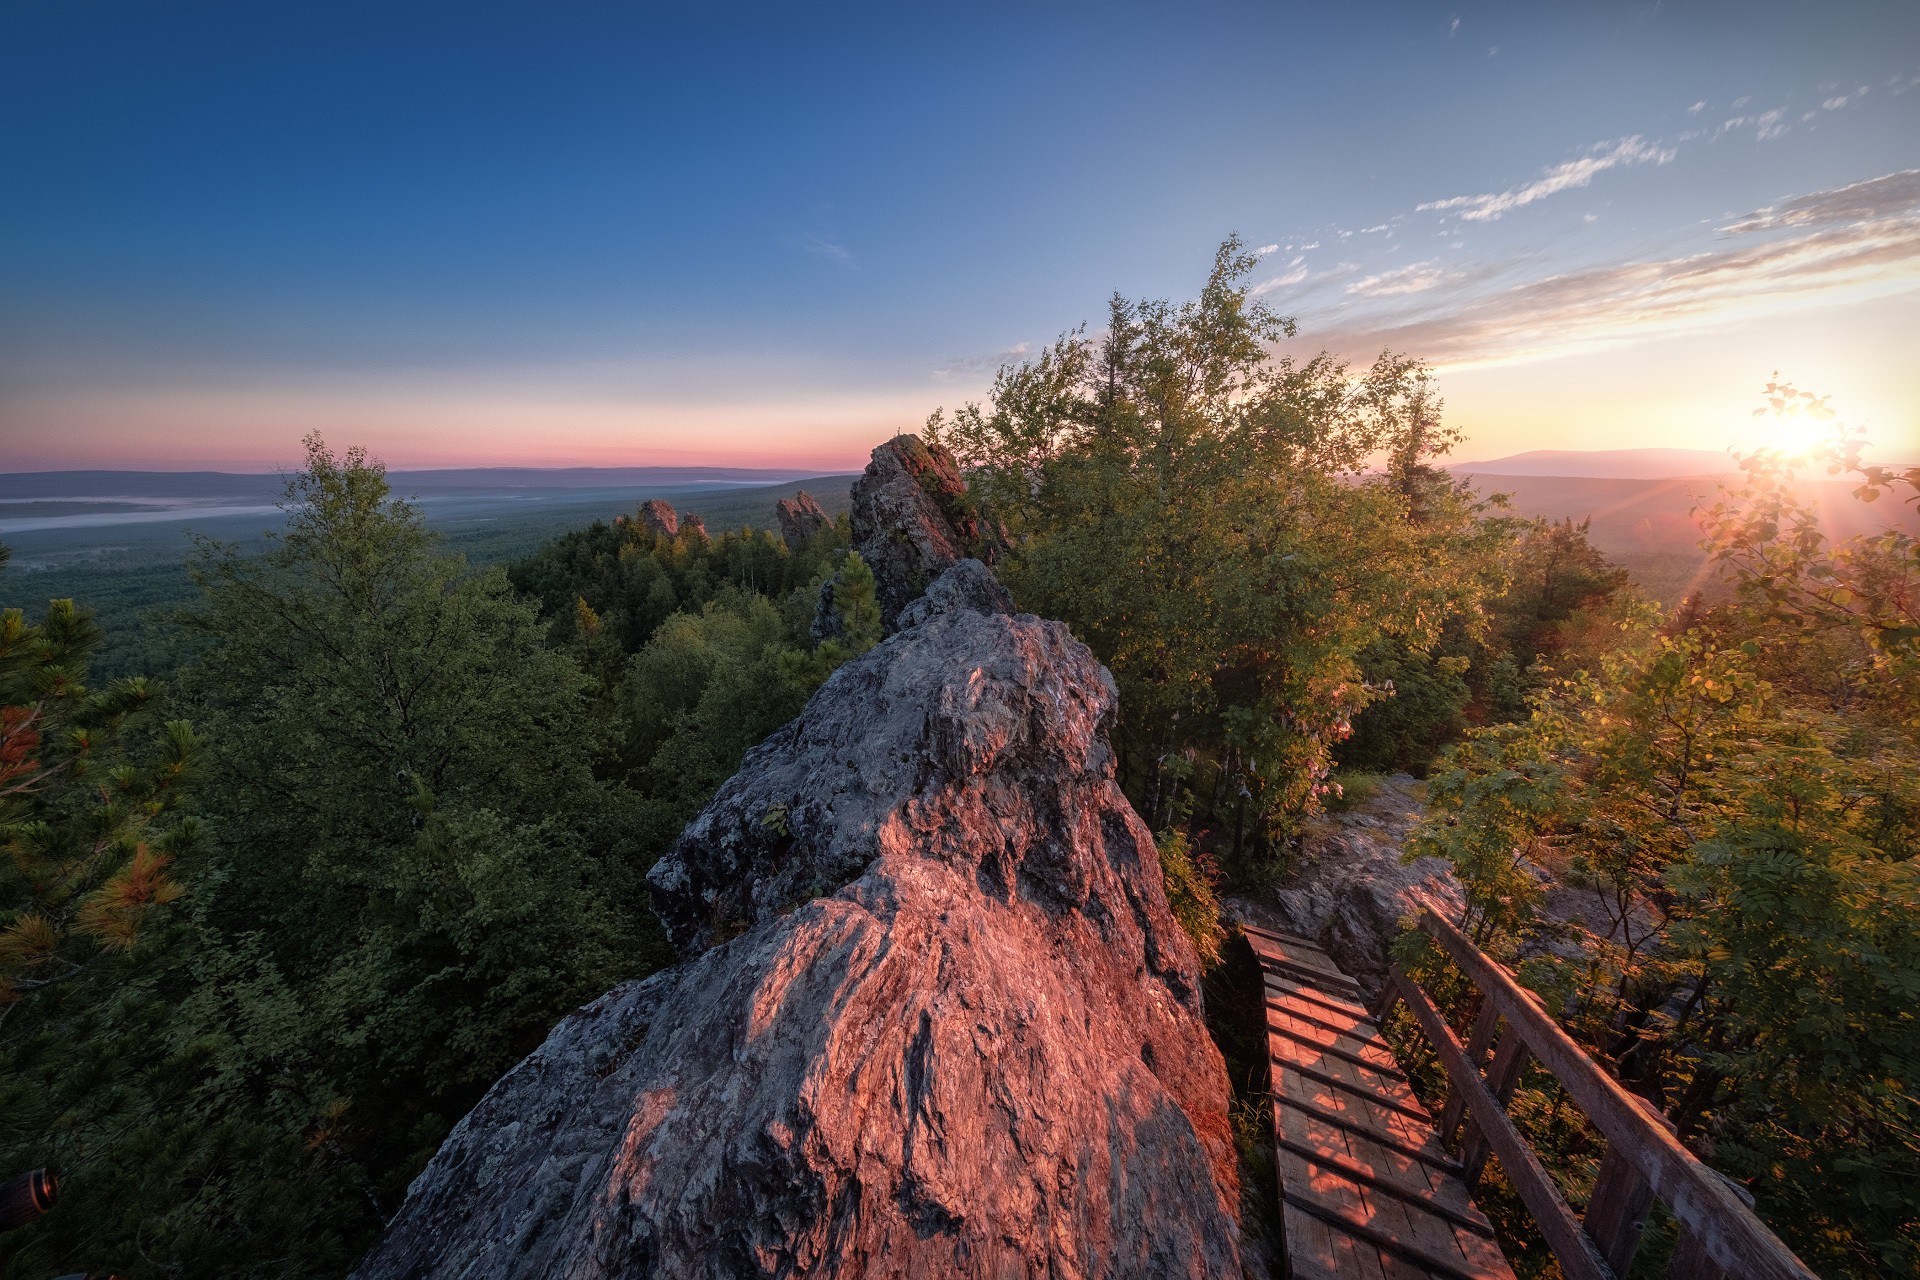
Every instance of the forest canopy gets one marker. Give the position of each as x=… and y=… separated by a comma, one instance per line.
x=269, y=926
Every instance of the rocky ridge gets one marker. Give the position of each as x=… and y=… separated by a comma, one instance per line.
x=659, y=517
x=934, y=1017
x=912, y=520
x=800, y=517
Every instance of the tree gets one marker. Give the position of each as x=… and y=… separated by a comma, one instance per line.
x=1203, y=515
x=89, y=805
x=416, y=873
x=1736, y=788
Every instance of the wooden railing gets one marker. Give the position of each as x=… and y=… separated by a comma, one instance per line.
x=1719, y=1234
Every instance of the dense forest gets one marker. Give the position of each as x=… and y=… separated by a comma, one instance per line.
x=273, y=922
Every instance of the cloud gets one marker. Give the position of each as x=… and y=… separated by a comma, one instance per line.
x=1624, y=303
x=826, y=248
x=1561, y=177
x=1453, y=25
x=963, y=366
x=1697, y=107
x=1417, y=278
x=1891, y=195
x=1296, y=272
x=1266, y=249
x=1767, y=126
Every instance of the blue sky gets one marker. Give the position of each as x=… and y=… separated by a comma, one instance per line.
x=619, y=234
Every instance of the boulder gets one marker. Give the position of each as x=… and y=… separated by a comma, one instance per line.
x=912, y=520
x=933, y=1017
x=1351, y=891
x=800, y=517
x=659, y=518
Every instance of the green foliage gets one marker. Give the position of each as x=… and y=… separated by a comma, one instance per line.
x=1190, y=895
x=1560, y=609
x=421, y=833
x=1202, y=513
x=1736, y=792
x=90, y=793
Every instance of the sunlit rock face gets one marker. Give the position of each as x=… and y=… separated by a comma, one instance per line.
x=800, y=517
x=659, y=517
x=912, y=521
x=935, y=1018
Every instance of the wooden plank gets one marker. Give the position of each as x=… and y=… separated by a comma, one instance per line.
x=1313, y=978
x=1440, y=1255
x=1426, y=1152
x=1296, y=955
x=1319, y=1251
x=1296, y=989
x=1280, y=937
x=1578, y=1258
x=1340, y=1166
x=1342, y=1067
x=1729, y=1233
x=1381, y=1160
x=1374, y=1057
x=1402, y=1220
x=1355, y=1026
x=1336, y=1073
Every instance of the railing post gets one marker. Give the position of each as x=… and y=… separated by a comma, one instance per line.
x=1617, y=1210
x=1484, y=1024
x=1690, y=1260
x=1502, y=1075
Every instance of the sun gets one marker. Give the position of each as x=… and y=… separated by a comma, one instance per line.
x=1797, y=422
x=1798, y=433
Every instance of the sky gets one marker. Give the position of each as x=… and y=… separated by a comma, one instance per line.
x=629, y=234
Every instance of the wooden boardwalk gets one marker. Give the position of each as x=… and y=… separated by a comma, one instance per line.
x=1366, y=1187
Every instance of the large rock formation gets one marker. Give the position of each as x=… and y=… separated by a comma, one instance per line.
x=800, y=517
x=912, y=521
x=658, y=516
x=934, y=1019
x=1352, y=890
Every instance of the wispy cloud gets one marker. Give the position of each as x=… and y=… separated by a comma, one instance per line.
x=1561, y=177
x=1697, y=107
x=1852, y=242
x=1296, y=272
x=1889, y=196
x=825, y=248
x=1766, y=125
x=965, y=366
x=1266, y=249
x=1418, y=278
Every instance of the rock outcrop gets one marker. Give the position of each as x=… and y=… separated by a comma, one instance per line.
x=1352, y=890
x=693, y=526
x=659, y=518
x=912, y=521
x=800, y=517
x=934, y=1018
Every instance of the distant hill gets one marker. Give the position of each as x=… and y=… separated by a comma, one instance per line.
x=1605, y=464
x=195, y=485
x=1647, y=526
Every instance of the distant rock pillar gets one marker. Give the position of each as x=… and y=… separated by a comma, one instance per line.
x=659, y=518
x=800, y=516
